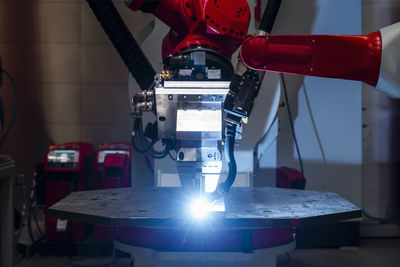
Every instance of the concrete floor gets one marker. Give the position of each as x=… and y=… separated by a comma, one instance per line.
x=371, y=253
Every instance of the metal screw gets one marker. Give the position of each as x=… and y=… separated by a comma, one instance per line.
x=265, y=67
x=311, y=69
x=313, y=41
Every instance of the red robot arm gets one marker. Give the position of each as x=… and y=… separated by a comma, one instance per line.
x=344, y=57
x=219, y=25
x=373, y=58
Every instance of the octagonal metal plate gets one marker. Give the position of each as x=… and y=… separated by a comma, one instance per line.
x=168, y=208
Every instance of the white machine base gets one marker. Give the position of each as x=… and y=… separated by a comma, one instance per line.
x=146, y=257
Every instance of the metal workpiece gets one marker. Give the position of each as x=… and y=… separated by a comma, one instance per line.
x=169, y=208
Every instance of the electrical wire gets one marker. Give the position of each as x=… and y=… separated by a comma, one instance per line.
x=149, y=165
x=32, y=210
x=172, y=157
x=314, y=124
x=151, y=151
x=16, y=100
x=29, y=226
x=145, y=146
x=138, y=135
x=37, y=222
x=292, y=124
x=145, y=150
x=389, y=219
x=21, y=225
x=161, y=156
x=267, y=133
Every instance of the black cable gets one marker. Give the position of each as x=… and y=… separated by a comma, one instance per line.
x=16, y=103
x=151, y=152
x=230, y=157
x=145, y=150
x=33, y=207
x=267, y=133
x=149, y=148
x=172, y=157
x=161, y=156
x=37, y=223
x=156, y=152
x=123, y=41
x=314, y=124
x=30, y=214
x=21, y=225
x=292, y=124
x=138, y=133
x=29, y=226
x=390, y=219
x=229, y=150
x=271, y=12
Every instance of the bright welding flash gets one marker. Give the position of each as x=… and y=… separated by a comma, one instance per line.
x=199, y=208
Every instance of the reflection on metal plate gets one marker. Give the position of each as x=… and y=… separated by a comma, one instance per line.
x=168, y=208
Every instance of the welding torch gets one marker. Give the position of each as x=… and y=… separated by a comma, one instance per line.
x=239, y=102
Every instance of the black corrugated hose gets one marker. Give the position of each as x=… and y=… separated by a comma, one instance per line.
x=267, y=23
x=126, y=45
x=230, y=157
x=229, y=149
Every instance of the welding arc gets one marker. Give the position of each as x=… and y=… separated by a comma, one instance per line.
x=126, y=45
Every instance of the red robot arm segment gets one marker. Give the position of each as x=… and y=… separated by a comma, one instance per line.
x=331, y=56
x=135, y=4
x=220, y=25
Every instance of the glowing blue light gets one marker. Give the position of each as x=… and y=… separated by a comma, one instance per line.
x=199, y=208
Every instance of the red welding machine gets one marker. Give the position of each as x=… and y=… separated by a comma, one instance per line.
x=113, y=170
x=68, y=167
